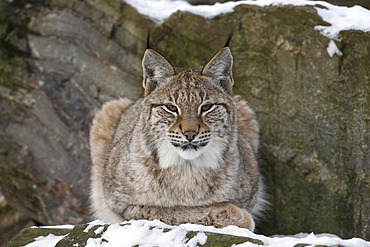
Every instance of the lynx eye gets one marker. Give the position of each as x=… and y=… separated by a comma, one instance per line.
x=206, y=107
x=171, y=108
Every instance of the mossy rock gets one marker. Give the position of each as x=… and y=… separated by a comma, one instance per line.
x=78, y=235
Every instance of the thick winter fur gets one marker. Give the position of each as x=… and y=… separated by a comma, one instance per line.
x=185, y=152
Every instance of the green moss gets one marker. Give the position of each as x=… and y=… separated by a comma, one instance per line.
x=184, y=53
x=78, y=236
x=28, y=235
x=15, y=177
x=214, y=239
x=18, y=184
x=14, y=17
x=8, y=78
x=5, y=210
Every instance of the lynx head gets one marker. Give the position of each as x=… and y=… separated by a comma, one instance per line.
x=189, y=113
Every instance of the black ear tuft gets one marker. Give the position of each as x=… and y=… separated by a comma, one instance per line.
x=148, y=41
x=229, y=38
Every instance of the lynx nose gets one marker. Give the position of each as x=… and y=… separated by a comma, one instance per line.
x=190, y=135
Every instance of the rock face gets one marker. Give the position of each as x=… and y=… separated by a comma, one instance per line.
x=61, y=60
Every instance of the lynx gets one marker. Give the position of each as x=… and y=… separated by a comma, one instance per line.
x=184, y=153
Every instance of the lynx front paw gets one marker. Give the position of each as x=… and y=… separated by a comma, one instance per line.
x=228, y=214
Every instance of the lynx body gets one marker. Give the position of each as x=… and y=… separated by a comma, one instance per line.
x=184, y=153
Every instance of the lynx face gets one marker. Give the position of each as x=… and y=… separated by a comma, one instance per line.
x=191, y=123
x=189, y=112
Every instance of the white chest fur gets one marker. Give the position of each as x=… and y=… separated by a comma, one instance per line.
x=209, y=156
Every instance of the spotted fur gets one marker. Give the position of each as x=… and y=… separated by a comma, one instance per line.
x=185, y=152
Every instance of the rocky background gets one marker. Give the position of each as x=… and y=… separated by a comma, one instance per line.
x=61, y=60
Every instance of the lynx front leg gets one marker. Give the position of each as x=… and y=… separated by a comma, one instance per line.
x=219, y=215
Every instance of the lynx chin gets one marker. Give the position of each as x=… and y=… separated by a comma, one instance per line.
x=184, y=153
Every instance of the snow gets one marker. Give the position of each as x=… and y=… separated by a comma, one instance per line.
x=155, y=233
x=200, y=238
x=48, y=241
x=343, y=18
x=150, y=233
x=141, y=233
x=333, y=49
x=92, y=224
x=99, y=230
x=340, y=18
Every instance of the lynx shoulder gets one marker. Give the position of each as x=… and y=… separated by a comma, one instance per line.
x=184, y=153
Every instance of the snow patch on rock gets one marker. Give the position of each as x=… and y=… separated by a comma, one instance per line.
x=333, y=49
x=48, y=241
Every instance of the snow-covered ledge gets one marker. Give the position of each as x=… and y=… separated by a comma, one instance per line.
x=156, y=233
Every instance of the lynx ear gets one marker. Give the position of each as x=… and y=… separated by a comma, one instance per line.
x=155, y=70
x=219, y=69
